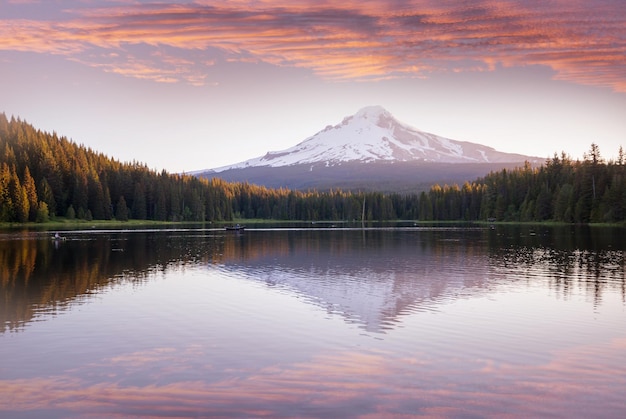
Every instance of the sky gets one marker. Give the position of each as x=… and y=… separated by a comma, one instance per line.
x=191, y=85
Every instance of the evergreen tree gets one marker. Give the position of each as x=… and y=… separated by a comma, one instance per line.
x=20, y=206
x=121, y=212
x=31, y=194
x=563, y=203
x=139, y=209
x=47, y=196
x=42, y=213
x=96, y=204
x=6, y=202
x=71, y=213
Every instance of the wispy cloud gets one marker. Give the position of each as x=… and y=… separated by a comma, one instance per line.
x=583, y=42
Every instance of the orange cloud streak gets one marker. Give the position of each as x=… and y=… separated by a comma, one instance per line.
x=366, y=40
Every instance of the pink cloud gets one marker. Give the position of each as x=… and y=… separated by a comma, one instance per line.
x=582, y=380
x=364, y=41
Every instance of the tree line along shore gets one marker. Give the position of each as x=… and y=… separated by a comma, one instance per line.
x=44, y=177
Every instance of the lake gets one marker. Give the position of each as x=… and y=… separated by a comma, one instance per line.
x=464, y=321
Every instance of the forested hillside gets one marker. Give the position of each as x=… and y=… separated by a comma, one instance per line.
x=591, y=190
x=43, y=176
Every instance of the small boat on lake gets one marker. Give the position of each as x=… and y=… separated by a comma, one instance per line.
x=235, y=228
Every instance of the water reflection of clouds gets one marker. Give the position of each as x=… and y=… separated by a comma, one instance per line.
x=216, y=345
x=346, y=384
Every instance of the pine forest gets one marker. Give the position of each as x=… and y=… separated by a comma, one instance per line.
x=44, y=176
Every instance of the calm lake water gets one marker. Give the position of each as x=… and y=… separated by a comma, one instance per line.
x=397, y=322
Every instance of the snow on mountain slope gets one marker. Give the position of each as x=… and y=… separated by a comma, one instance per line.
x=373, y=134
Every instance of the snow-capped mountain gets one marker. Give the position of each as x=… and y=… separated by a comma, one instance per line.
x=370, y=150
x=374, y=135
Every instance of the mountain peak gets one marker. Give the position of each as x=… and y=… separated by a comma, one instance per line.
x=373, y=134
x=372, y=112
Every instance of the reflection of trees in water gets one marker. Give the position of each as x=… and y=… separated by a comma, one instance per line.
x=595, y=270
x=41, y=275
x=38, y=275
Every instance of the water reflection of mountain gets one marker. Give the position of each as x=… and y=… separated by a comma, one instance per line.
x=371, y=277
